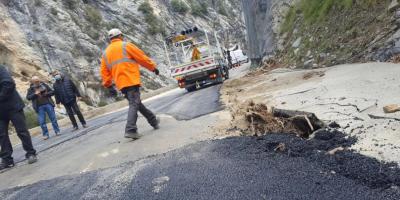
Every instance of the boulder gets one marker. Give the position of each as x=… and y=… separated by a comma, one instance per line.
x=296, y=44
x=394, y=5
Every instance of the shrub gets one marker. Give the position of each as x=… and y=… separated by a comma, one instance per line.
x=70, y=4
x=145, y=8
x=31, y=118
x=53, y=11
x=38, y=3
x=155, y=25
x=102, y=103
x=290, y=18
x=179, y=6
x=199, y=9
x=316, y=10
x=93, y=15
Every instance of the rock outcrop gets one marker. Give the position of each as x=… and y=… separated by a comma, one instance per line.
x=39, y=36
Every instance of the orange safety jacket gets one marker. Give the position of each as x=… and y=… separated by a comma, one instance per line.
x=120, y=64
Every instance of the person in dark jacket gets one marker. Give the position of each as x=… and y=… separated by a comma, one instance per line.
x=11, y=109
x=40, y=94
x=66, y=93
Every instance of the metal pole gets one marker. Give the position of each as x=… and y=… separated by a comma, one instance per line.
x=208, y=43
x=218, y=45
x=166, y=53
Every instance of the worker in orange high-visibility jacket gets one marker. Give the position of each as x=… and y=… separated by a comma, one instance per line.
x=120, y=65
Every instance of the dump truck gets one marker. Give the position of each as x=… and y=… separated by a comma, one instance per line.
x=195, y=59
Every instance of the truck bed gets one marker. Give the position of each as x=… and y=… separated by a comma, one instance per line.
x=194, y=67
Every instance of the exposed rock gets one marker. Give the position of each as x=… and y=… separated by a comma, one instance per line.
x=394, y=5
x=296, y=44
x=308, y=63
x=70, y=35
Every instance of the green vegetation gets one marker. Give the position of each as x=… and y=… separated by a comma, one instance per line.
x=53, y=11
x=38, y=3
x=221, y=8
x=93, y=15
x=102, y=103
x=334, y=31
x=155, y=24
x=198, y=8
x=31, y=118
x=317, y=10
x=179, y=6
x=71, y=4
x=146, y=8
x=290, y=19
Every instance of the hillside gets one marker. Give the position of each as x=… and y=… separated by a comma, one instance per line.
x=40, y=36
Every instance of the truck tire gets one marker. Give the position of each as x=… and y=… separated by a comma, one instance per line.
x=191, y=88
x=220, y=78
x=226, y=73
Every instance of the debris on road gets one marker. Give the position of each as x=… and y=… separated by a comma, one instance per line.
x=312, y=74
x=391, y=108
x=260, y=120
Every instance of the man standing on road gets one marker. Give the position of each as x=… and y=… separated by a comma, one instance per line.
x=66, y=93
x=11, y=109
x=120, y=64
x=40, y=94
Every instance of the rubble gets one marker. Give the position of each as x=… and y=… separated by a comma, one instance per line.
x=391, y=108
x=261, y=120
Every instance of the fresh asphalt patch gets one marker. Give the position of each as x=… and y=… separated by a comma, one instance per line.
x=189, y=105
x=274, y=166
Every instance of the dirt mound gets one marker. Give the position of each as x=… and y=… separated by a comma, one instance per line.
x=258, y=119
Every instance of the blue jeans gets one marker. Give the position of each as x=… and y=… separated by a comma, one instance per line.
x=49, y=109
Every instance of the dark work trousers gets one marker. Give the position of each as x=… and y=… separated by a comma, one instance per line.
x=73, y=108
x=135, y=105
x=18, y=120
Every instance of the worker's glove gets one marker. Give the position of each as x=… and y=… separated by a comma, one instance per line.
x=112, y=91
x=157, y=72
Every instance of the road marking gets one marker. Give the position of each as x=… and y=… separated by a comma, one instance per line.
x=160, y=183
x=87, y=168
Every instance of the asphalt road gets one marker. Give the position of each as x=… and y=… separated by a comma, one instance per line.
x=179, y=161
x=232, y=168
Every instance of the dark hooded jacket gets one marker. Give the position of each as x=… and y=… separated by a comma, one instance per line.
x=31, y=96
x=65, y=91
x=10, y=100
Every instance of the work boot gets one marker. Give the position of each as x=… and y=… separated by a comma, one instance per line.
x=6, y=165
x=32, y=159
x=134, y=136
x=75, y=129
x=84, y=125
x=46, y=137
x=157, y=126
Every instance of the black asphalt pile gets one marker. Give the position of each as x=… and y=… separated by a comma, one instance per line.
x=274, y=166
x=262, y=120
x=329, y=149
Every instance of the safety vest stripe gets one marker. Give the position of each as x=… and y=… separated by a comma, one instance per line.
x=125, y=58
x=124, y=53
x=106, y=60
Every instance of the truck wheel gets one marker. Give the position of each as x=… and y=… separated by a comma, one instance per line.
x=220, y=78
x=226, y=73
x=191, y=88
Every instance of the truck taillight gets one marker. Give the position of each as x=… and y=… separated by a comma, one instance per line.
x=181, y=84
x=213, y=76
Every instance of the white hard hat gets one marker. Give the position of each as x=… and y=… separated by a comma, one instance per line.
x=114, y=33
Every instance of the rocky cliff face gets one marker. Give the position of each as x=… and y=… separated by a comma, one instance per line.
x=320, y=33
x=263, y=19
x=39, y=36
